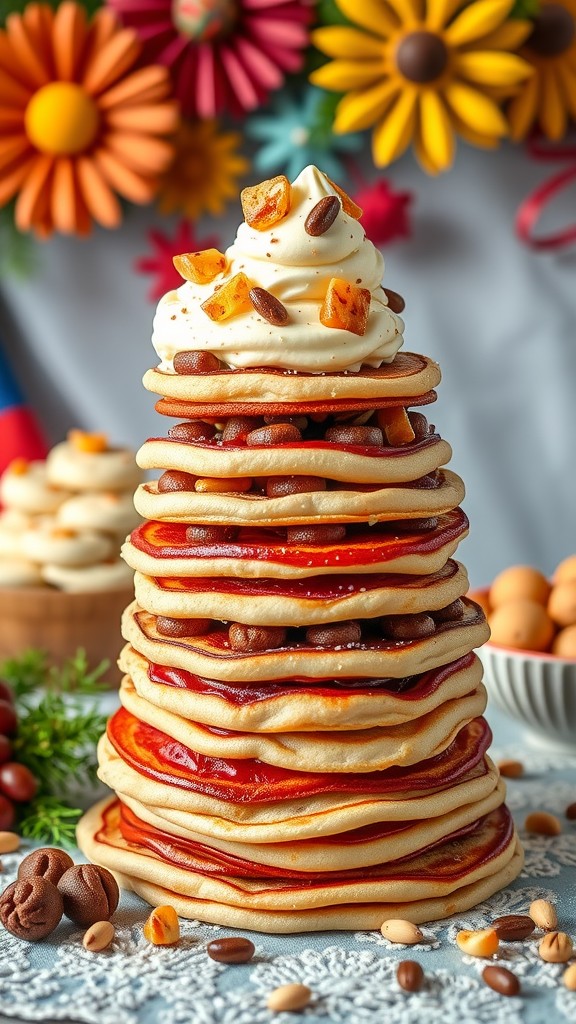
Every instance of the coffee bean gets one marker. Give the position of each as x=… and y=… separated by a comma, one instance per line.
x=322, y=216
x=255, y=638
x=570, y=812
x=501, y=980
x=407, y=627
x=30, y=908
x=199, y=534
x=513, y=927
x=187, y=363
x=281, y=486
x=395, y=301
x=175, y=480
x=237, y=428
x=273, y=433
x=297, y=421
x=192, y=431
x=450, y=613
x=350, y=434
x=231, y=951
x=89, y=894
x=315, y=534
x=48, y=863
x=410, y=975
x=269, y=307
x=167, y=626
x=340, y=634
x=419, y=425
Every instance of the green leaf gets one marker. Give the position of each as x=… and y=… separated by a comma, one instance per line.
x=10, y=6
x=18, y=250
x=26, y=673
x=328, y=13
x=525, y=9
x=47, y=820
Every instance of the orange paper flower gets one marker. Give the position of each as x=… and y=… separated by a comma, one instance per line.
x=204, y=174
x=77, y=123
x=547, y=100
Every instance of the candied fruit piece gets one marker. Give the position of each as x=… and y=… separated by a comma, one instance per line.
x=396, y=425
x=200, y=267
x=265, y=204
x=84, y=442
x=231, y=299
x=346, y=306
x=348, y=204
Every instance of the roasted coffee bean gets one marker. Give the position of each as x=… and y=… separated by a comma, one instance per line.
x=167, y=626
x=231, y=951
x=30, y=908
x=198, y=534
x=410, y=975
x=407, y=627
x=187, y=363
x=513, y=927
x=350, y=434
x=281, y=486
x=315, y=534
x=501, y=980
x=419, y=425
x=237, y=428
x=297, y=421
x=269, y=307
x=89, y=894
x=175, y=480
x=450, y=613
x=322, y=216
x=48, y=863
x=273, y=433
x=339, y=634
x=192, y=431
x=255, y=638
x=395, y=301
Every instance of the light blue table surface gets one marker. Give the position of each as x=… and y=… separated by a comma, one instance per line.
x=352, y=975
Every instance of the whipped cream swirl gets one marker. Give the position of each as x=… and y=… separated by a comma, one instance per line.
x=296, y=268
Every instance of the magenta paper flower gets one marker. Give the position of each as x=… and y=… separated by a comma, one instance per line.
x=224, y=55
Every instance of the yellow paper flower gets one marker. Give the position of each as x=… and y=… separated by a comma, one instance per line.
x=203, y=176
x=422, y=71
x=548, y=98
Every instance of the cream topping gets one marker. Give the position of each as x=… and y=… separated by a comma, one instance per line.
x=296, y=268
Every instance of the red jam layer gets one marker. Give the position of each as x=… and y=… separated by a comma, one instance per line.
x=363, y=546
x=241, y=693
x=154, y=754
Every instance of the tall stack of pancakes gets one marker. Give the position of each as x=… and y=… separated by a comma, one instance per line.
x=300, y=744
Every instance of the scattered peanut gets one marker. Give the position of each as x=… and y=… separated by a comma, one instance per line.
x=542, y=823
x=162, y=927
x=543, y=914
x=9, y=842
x=483, y=942
x=569, y=977
x=510, y=769
x=289, y=997
x=555, y=948
x=99, y=936
x=404, y=932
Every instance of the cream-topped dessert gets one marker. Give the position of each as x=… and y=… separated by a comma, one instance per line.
x=301, y=743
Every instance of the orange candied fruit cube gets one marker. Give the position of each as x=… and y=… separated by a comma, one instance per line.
x=346, y=306
x=84, y=442
x=267, y=203
x=230, y=300
x=200, y=267
x=348, y=204
x=396, y=425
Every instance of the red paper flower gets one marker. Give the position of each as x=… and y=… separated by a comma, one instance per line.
x=160, y=264
x=385, y=215
x=224, y=55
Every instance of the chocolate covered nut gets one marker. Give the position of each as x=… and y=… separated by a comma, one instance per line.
x=30, y=908
x=273, y=433
x=281, y=486
x=322, y=216
x=410, y=975
x=231, y=951
x=223, y=485
x=197, y=534
x=297, y=421
x=269, y=307
x=48, y=863
x=237, y=428
x=419, y=425
x=570, y=812
x=351, y=434
x=255, y=638
x=195, y=362
x=89, y=894
x=450, y=613
x=176, y=480
x=407, y=627
x=192, y=431
x=542, y=823
x=315, y=534
x=167, y=626
x=395, y=301
x=513, y=927
x=338, y=635
x=510, y=769
x=501, y=980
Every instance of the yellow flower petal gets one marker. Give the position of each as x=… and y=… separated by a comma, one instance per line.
x=568, y=79
x=375, y=15
x=421, y=153
x=391, y=137
x=476, y=20
x=436, y=130
x=409, y=12
x=341, y=41
x=476, y=138
x=492, y=68
x=440, y=12
x=360, y=109
x=476, y=109
x=522, y=109
x=342, y=75
x=552, y=114
x=509, y=36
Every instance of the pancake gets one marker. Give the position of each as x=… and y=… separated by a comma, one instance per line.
x=111, y=469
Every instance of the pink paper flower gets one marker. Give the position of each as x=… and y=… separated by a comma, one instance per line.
x=224, y=55
x=159, y=263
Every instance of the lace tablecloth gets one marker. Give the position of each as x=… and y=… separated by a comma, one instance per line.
x=352, y=975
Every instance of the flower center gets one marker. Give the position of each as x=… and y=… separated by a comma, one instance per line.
x=299, y=136
x=61, y=119
x=421, y=57
x=204, y=20
x=553, y=32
